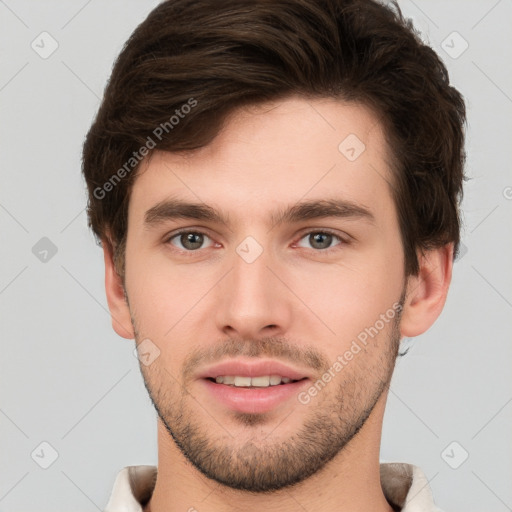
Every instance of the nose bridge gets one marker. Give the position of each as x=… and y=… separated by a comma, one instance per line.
x=250, y=297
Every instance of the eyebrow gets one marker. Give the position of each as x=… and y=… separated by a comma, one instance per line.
x=171, y=209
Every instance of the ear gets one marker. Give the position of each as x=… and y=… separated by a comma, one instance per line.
x=426, y=292
x=117, y=304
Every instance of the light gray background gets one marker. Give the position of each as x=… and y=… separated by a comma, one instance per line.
x=67, y=379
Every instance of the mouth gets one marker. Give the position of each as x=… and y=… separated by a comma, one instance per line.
x=253, y=395
x=253, y=386
x=263, y=381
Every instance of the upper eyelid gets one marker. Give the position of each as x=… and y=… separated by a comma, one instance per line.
x=174, y=234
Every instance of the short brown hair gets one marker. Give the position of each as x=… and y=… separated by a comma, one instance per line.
x=218, y=55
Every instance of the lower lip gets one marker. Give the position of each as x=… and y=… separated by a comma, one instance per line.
x=254, y=400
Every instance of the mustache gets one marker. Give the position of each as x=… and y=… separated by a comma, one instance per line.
x=269, y=347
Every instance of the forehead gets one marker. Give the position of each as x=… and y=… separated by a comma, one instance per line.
x=276, y=154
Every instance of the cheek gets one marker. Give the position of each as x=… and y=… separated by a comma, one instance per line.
x=349, y=297
x=163, y=296
x=161, y=314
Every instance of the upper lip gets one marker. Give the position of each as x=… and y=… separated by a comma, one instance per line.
x=259, y=368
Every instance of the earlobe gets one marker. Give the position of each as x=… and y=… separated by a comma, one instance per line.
x=426, y=292
x=117, y=304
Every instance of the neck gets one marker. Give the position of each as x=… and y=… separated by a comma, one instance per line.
x=350, y=482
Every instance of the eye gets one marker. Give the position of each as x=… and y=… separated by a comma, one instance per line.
x=188, y=240
x=320, y=240
x=191, y=241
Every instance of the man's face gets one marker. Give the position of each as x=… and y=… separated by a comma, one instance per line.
x=302, y=290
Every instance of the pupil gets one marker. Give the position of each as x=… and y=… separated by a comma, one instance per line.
x=324, y=240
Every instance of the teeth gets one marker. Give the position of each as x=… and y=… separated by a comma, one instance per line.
x=258, y=382
x=242, y=381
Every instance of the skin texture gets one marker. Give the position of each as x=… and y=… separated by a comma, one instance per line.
x=299, y=302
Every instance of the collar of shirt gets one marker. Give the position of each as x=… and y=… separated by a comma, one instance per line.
x=405, y=487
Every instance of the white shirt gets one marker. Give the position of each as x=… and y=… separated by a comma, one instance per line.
x=404, y=486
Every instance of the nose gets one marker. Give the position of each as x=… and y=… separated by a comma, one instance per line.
x=252, y=302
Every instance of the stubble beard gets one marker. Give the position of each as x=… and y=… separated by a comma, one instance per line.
x=264, y=465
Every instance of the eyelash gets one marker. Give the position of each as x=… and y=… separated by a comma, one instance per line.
x=316, y=231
